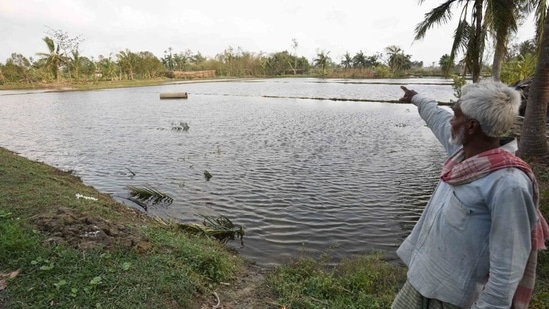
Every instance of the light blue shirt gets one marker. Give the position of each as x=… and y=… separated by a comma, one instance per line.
x=471, y=244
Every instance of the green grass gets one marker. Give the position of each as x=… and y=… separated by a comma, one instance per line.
x=356, y=282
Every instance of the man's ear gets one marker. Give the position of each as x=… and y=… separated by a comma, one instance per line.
x=473, y=127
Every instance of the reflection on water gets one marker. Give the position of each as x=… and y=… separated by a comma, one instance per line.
x=299, y=175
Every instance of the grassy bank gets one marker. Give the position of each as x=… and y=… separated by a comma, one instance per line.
x=57, y=250
x=85, y=85
x=60, y=251
x=96, y=85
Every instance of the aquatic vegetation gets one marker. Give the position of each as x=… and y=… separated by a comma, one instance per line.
x=181, y=126
x=207, y=175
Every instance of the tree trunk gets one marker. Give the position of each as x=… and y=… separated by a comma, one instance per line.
x=533, y=139
x=477, y=43
x=499, y=53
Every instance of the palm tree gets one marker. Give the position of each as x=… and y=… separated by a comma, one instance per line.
x=446, y=65
x=398, y=61
x=53, y=59
x=107, y=67
x=501, y=19
x=347, y=60
x=322, y=61
x=76, y=62
x=533, y=140
x=468, y=36
x=294, y=46
x=359, y=60
x=539, y=7
x=127, y=61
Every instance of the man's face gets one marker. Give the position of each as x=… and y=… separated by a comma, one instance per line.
x=457, y=123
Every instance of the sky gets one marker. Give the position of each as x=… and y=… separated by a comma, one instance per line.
x=213, y=26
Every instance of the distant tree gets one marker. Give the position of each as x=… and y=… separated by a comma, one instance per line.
x=527, y=47
x=417, y=64
x=75, y=63
x=347, y=61
x=168, y=60
x=294, y=46
x=108, y=68
x=322, y=61
x=66, y=45
x=373, y=60
x=359, y=60
x=398, y=61
x=127, y=61
x=147, y=65
x=54, y=58
x=87, y=68
x=278, y=64
x=17, y=69
x=446, y=64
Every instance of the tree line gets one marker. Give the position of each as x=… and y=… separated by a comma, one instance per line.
x=62, y=61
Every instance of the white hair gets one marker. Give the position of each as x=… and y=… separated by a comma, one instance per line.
x=493, y=104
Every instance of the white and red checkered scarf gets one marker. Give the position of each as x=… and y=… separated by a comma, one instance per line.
x=457, y=171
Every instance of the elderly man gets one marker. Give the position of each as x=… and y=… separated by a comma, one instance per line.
x=475, y=245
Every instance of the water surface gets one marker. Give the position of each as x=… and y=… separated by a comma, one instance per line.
x=301, y=175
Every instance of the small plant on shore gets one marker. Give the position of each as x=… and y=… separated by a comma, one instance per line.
x=459, y=81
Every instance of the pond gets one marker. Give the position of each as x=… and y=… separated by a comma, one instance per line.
x=302, y=164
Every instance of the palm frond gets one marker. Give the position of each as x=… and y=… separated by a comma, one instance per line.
x=220, y=228
x=461, y=35
x=439, y=15
x=541, y=12
x=149, y=194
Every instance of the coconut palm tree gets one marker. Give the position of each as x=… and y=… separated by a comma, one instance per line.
x=322, y=61
x=533, y=140
x=359, y=60
x=502, y=18
x=446, y=65
x=468, y=36
x=54, y=58
x=127, y=61
x=76, y=62
x=398, y=61
x=347, y=60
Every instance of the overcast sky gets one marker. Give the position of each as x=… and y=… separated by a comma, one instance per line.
x=211, y=26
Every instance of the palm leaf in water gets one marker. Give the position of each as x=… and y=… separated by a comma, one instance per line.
x=220, y=228
x=149, y=194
